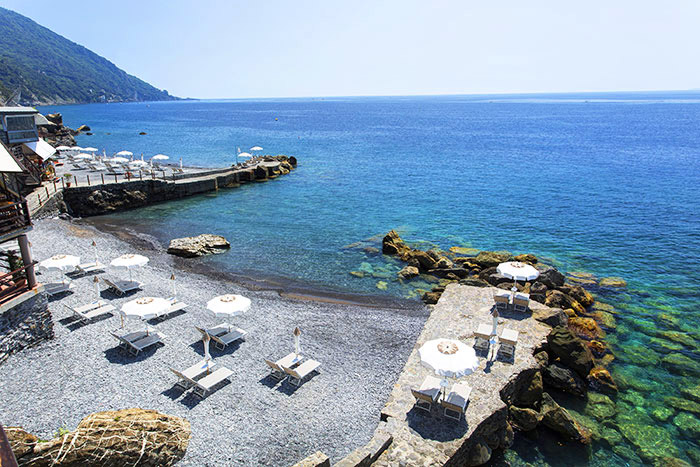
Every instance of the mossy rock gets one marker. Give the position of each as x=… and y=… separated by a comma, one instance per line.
x=688, y=424
x=359, y=274
x=626, y=453
x=610, y=436
x=613, y=282
x=605, y=319
x=382, y=285
x=464, y=250
x=639, y=355
x=599, y=406
x=668, y=319
x=665, y=346
x=679, y=337
x=680, y=364
x=692, y=392
x=603, y=307
x=683, y=404
x=652, y=442
x=662, y=413
x=633, y=398
x=586, y=328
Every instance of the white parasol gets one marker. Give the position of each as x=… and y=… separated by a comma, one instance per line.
x=160, y=157
x=125, y=153
x=245, y=154
x=63, y=263
x=145, y=308
x=448, y=358
x=64, y=148
x=82, y=156
x=256, y=148
x=517, y=271
x=129, y=261
x=118, y=160
x=90, y=149
x=229, y=304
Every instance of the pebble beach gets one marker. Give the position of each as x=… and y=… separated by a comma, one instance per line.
x=252, y=420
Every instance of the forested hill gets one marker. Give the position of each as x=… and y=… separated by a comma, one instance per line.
x=50, y=69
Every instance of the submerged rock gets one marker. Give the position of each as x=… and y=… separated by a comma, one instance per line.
x=392, y=244
x=488, y=259
x=408, y=272
x=560, y=377
x=205, y=244
x=688, y=424
x=558, y=419
x=600, y=406
x=614, y=282
x=680, y=364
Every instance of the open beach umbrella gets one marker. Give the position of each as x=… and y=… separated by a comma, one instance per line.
x=448, y=358
x=62, y=263
x=82, y=156
x=63, y=148
x=518, y=272
x=245, y=154
x=129, y=261
x=125, y=153
x=138, y=163
x=256, y=148
x=90, y=149
x=76, y=148
x=228, y=305
x=144, y=308
x=118, y=160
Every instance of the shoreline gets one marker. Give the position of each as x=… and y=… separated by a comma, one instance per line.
x=286, y=288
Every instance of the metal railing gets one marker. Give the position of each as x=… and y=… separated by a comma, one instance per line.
x=14, y=282
x=14, y=217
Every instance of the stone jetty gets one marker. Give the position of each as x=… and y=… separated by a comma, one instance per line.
x=103, y=198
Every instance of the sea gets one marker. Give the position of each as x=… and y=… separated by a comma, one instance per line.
x=597, y=184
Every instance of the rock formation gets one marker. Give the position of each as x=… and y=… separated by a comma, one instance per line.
x=204, y=244
x=112, y=438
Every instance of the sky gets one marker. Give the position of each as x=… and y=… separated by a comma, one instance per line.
x=300, y=48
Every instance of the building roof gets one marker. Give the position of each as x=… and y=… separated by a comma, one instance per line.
x=41, y=148
x=7, y=162
x=18, y=110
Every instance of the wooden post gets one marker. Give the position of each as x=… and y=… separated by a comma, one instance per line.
x=63, y=185
x=103, y=178
x=54, y=186
x=47, y=191
x=140, y=175
x=27, y=260
x=38, y=196
x=115, y=178
x=88, y=178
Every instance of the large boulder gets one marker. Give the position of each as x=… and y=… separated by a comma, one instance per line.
x=551, y=316
x=526, y=258
x=571, y=350
x=560, y=377
x=523, y=418
x=83, y=128
x=55, y=118
x=441, y=261
x=601, y=380
x=408, y=272
x=558, y=419
x=586, y=328
x=116, y=438
x=458, y=272
x=558, y=299
x=578, y=293
x=392, y=244
x=425, y=261
x=487, y=259
x=21, y=442
x=205, y=244
x=550, y=277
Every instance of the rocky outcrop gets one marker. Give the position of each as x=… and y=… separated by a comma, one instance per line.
x=82, y=128
x=317, y=459
x=55, y=133
x=392, y=244
x=560, y=377
x=201, y=245
x=25, y=325
x=571, y=350
x=524, y=419
x=600, y=380
x=550, y=316
x=558, y=419
x=112, y=438
x=408, y=272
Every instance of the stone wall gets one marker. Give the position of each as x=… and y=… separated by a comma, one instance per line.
x=25, y=324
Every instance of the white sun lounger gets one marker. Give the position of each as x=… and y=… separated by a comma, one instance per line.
x=90, y=311
x=427, y=394
x=296, y=375
x=277, y=368
x=126, y=340
x=482, y=337
x=222, y=340
x=205, y=385
x=502, y=299
x=186, y=378
x=508, y=340
x=151, y=339
x=521, y=301
x=456, y=401
x=121, y=287
x=55, y=288
x=87, y=268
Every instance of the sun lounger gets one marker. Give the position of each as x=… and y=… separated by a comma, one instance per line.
x=482, y=337
x=521, y=301
x=205, y=385
x=502, y=300
x=222, y=340
x=456, y=401
x=427, y=394
x=126, y=340
x=87, y=268
x=186, y=378
x=151, y=339
x=90, y=311
x=508, y=340
x=215, y=331
x=296, y=375
x=55, y=288
x=121, y=287
x=174, y=306
x=290, y=361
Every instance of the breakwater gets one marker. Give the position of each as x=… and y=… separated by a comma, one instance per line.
x=105, y=198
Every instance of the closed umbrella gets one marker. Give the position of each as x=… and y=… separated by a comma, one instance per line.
x=297, y=344
x=205, y=340
x=96, y=282
x=129, y=261
x=518, y=272
x=448, y=358
x=172, y=279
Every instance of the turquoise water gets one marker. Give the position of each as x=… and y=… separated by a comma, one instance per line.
x=601, y=183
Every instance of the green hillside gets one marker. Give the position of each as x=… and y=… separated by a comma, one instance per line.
x=50, y=69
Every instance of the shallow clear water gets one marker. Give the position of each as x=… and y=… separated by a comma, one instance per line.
x=605, y=183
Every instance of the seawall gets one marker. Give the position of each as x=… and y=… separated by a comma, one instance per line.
x=85, y=201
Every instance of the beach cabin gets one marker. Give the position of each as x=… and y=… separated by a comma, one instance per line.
x=20, y=135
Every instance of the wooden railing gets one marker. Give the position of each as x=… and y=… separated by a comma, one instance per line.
x=14, y=217
x=14, y=282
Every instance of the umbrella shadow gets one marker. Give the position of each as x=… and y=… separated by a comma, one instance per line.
x=434, y=425
x=73, y=323
x=164, y=318
x=198, y=346
x=60, y=295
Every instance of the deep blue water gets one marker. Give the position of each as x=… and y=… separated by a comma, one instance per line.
x=601, y=183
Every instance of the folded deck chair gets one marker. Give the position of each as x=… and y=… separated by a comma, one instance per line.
x=482, y=337
x=120, y=287
x=521, y=301
x=428, y=393
x=222, y=340
x=508, y=340
x=502, y=300
x=296, y=375
x=456, y=401
x=205, y=385
x=55, y=288
x=188, y=377
x=87, y=312
x=277, y=368
x=126, y=340
x=145, y=342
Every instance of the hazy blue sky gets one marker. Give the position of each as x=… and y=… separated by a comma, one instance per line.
x=330, y=48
